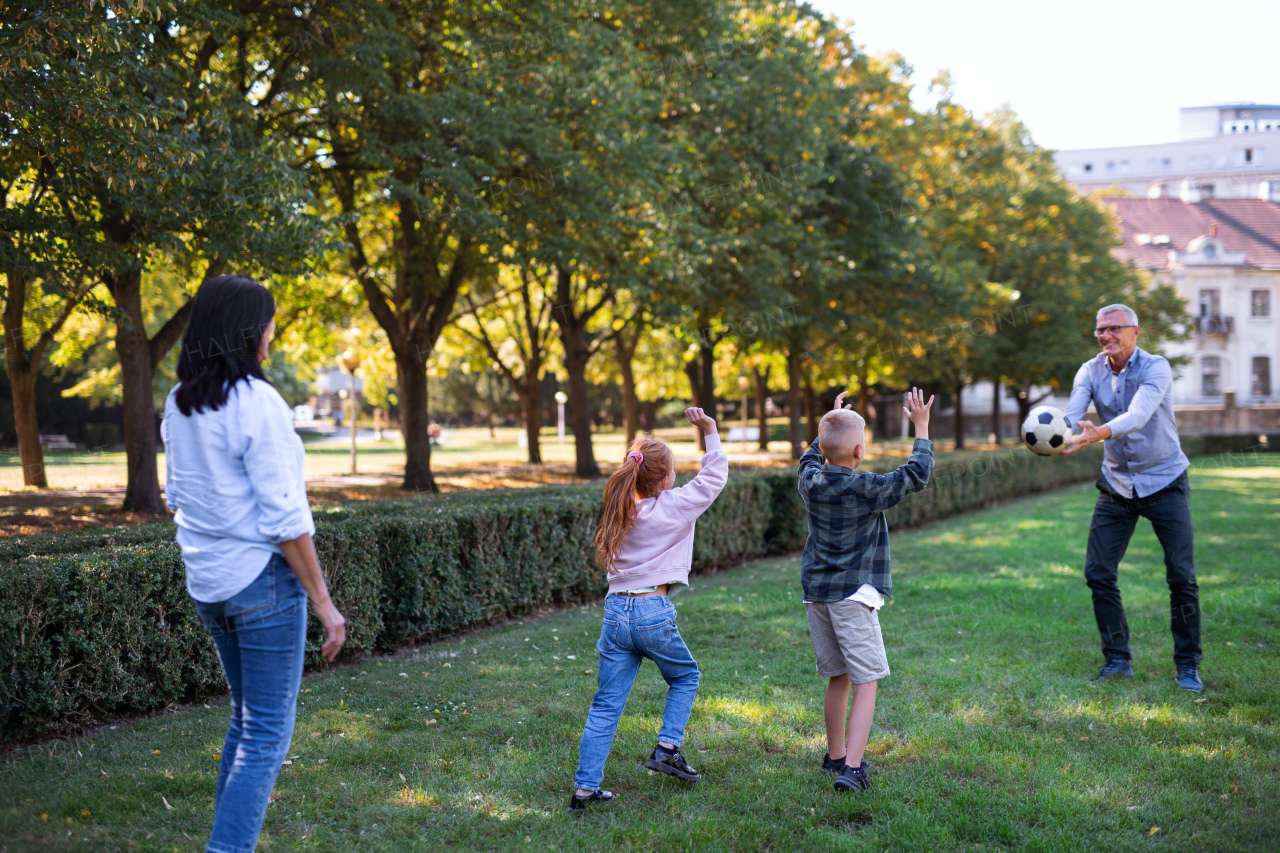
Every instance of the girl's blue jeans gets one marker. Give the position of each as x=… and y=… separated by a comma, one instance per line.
x=260, y=634
x=635, y=629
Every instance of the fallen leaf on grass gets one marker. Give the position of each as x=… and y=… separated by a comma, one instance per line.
x=1154, y=830
x=510, y=739
x=449, y=665
x=589, y=671
x=402, y=779
x=286, y=764
x=104, y=773
x=84, y=813
x=432, y=721
x=315, y=734
x=166, y=803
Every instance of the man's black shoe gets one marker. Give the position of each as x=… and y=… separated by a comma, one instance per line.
x=831, y=765
x=852, y=779
x=1189, y=678
x=578, y=805
x=672, y=763
x=1114, y=668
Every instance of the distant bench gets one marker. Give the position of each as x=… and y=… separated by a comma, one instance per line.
x=57, y=442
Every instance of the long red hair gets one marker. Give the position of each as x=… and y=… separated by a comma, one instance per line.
x=631, y=481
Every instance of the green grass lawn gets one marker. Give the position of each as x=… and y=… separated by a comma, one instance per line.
x=986, y=736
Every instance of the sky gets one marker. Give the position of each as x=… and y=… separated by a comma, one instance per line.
x=1084, y=74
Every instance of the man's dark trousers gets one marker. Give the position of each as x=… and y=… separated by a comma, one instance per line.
x=1114, y=519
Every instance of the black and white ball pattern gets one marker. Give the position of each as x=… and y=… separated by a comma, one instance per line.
x=1046, y=430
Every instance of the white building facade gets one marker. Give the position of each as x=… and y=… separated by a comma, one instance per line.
x=1223, y=257
x=1223, y=151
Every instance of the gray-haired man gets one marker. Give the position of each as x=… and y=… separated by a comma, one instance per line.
x=1144, y=473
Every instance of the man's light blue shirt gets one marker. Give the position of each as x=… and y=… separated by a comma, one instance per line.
x=1143, y=454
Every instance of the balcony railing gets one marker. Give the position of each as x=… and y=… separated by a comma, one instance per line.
x=1216, y=324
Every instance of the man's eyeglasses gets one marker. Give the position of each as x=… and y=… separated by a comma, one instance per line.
x=1110, y=330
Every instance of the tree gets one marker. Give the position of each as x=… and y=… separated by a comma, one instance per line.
x=512, y=325
x=150, y=147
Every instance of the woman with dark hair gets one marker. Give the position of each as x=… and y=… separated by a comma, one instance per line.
x=236, y=486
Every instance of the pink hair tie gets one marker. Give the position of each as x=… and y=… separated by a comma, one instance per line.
x=636, y=455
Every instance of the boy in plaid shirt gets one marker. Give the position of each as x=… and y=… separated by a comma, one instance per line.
x=845, y=571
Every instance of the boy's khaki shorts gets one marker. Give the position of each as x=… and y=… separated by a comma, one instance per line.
x=846, y=639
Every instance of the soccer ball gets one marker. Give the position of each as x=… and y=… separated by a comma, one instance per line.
x=1046, y=430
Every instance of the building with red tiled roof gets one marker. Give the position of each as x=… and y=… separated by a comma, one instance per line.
x=1223, y=256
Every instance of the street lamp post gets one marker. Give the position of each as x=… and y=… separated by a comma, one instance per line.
x=351, y=362
x=561, y=399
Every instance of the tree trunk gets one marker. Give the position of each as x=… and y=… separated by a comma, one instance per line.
x=1024, y=407
x=762, y=407
x=142, y=490
x=707, y=363
x=959, y=417
x=863, y=396
x=649, y=416
x=811, y=410
x=995, y=410
x=796, y=431
x=573, y=339
x=529, y=392
x=412, y=382
x=577, y=352
x=22, y=380
x=630, y=406
x=22, y=374
x=693, y=370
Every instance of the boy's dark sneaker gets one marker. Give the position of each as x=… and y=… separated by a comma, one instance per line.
x=578, y=805
x=673, y=764
x=1114, y=668
x=830, y=765
x=852, y=779
x=1189, y=678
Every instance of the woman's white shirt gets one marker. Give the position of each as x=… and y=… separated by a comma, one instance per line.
x=235, y=483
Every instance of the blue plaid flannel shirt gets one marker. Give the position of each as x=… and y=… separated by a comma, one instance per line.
x=848, y=543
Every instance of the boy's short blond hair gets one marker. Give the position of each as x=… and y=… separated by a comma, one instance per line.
x=840, y=432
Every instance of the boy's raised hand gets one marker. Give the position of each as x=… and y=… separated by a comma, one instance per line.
x=917, y=410
x=840, y=399
x=700, y=419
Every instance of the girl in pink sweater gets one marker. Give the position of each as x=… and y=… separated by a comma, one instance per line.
x=645, y=542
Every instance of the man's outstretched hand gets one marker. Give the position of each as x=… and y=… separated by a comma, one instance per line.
x=1089, y=434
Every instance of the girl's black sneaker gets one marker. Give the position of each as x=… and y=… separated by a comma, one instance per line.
x=578, y=805
x=673, y=764
x=852, y=779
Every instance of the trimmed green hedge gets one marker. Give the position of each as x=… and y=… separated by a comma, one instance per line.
x=98, y=623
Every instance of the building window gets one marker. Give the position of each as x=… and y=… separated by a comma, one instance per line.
x=1210, y=302
x=1260, y=303
x=1211, y=376
x=1261, y=376
x=1167, y=163
x=1088, y=167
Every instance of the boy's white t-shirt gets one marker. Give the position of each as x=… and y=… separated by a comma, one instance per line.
x=866, y=594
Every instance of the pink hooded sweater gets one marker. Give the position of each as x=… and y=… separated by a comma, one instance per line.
x=659, y=548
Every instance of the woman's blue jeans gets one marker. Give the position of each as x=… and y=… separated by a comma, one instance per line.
x=635, y=629
x=260, y=633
